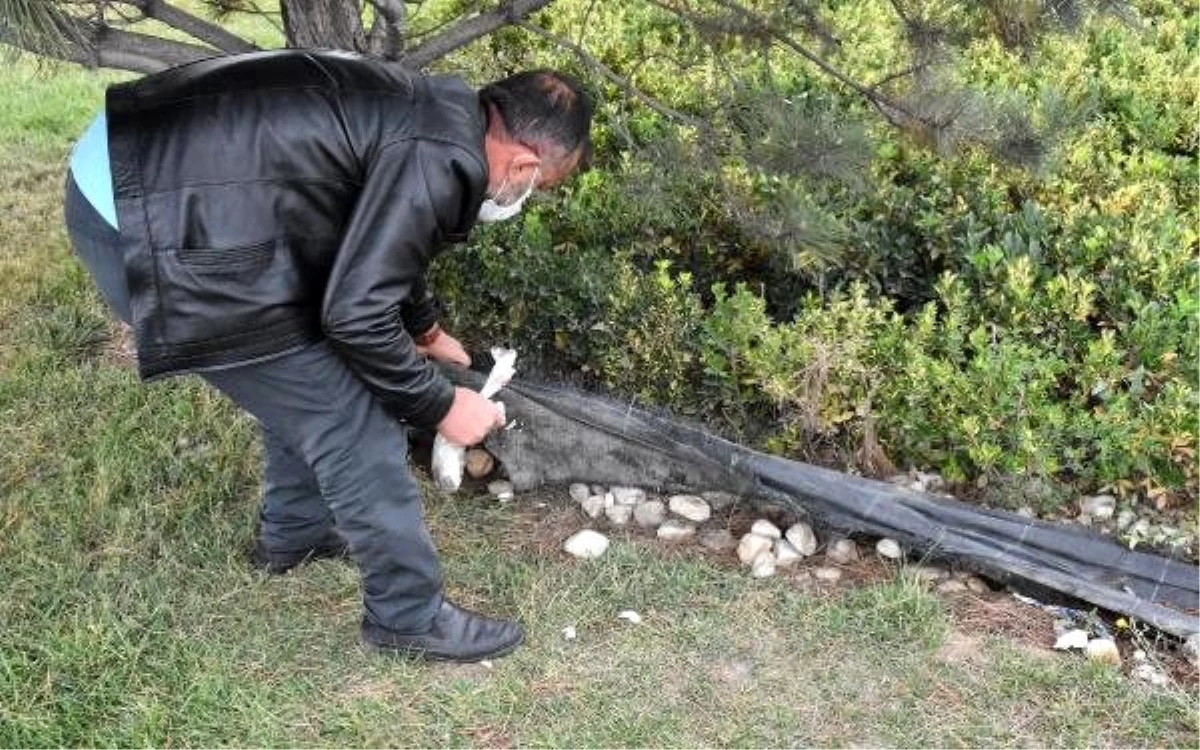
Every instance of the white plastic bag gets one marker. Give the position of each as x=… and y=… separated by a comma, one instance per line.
x=448, y=459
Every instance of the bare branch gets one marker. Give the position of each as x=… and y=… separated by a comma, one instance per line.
x=467, y=31
x=624, y=83
x=899, y=8
x=386, y=37
x=194, y=26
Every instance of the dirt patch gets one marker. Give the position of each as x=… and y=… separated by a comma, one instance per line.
x=1002, y=615
x=961, y=648
x=380, y=689
x=119, y=348
x=486, y=735
x=736, y=674
x=543, y=525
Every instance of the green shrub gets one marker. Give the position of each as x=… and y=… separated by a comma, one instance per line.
x=938, y=310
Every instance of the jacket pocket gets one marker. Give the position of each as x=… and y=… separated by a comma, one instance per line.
x=224, y=261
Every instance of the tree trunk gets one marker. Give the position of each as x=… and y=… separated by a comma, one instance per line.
x=324, y=24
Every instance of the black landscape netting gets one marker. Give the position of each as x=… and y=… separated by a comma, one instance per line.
x=558, y=435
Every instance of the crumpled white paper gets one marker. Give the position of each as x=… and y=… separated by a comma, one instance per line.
x=449, y=459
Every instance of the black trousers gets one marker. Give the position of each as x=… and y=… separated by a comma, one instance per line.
x=332, y=455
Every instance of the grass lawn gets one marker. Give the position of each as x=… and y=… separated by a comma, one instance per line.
x=132, y=618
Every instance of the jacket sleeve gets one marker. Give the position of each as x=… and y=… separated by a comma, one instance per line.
x=413, y=194
x=421, y=310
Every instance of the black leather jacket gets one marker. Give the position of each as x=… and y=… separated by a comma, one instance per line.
x=269, y=200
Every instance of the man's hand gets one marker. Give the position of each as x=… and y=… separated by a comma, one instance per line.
x=444, y=348
x=470, y=419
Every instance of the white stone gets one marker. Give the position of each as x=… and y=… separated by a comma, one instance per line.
x=752, y=545
x=619, y=515
x=803, y=539
x=579, y=492
x=1026, y=512
x=586, y=544
x=675, y=531
x=1075, y=638
x=889, y=549
x=786, y=554
x=1103, y=650
x=1140, y=528
x=1139, y=655
x=927, y=572
x=977, y=585
x=763, y=527
x=718, y=500
x=826, y=574
x=1151, y=675
x=691, y=507
x=569, y=632
x=1100, y=507
x=593, y=506
x=951, y=586
x=930, y=482
x=717, y=540
x=628, y=495
x=650, y=513
x=599, y=489
x=1191, y=649
x=763, y=565
x=842, y=551
x=1125, y=518
x=630, y=616
x=502, y=489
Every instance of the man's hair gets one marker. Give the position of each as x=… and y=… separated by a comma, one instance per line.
x=543, y=108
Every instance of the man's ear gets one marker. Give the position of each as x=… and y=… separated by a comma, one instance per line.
x=522, y=166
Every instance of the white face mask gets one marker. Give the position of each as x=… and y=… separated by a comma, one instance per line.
x=493, y=210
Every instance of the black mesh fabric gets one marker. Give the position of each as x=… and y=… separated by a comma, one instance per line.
x=558, y=435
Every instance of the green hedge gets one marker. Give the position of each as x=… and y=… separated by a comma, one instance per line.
x=952, y=313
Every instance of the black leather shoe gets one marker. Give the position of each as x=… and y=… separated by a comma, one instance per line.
x=457, y=635
x=277, y=561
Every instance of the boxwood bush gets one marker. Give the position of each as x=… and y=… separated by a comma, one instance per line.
x=954, y=313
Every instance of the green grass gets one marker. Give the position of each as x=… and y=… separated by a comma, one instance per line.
x=131, y=617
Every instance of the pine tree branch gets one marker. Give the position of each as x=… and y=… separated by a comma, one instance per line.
x=98, y=45
x=751, y=25
x=225, y=8
x=881, y=102
x=624, y=83
x=32, y=25
x=194, y=26
x=467, y=31
x=910, y=70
